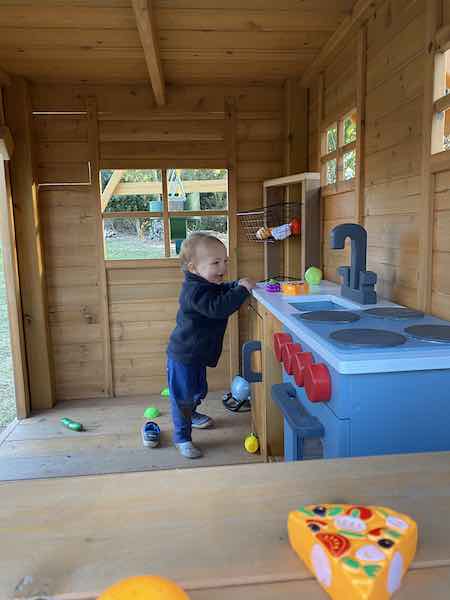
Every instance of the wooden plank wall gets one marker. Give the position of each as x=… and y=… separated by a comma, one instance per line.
x=142, y=301
x=339, y=202
x=394, y=100
x=440, y=281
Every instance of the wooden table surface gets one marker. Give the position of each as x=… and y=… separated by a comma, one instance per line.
x=220, y=528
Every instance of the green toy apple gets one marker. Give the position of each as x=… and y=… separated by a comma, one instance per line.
x=313, y=276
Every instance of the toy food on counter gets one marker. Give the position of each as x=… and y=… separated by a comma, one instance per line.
x=294, y=288
x=313, y=276
x=273, y=286
x=145, y=587
x=281, y=232
x=355, y=552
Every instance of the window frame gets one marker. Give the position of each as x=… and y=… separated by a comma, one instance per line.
x=341, y=149
x=441, y=99
x=166, y=214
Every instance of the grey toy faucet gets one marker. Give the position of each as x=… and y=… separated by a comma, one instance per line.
x=357, y=283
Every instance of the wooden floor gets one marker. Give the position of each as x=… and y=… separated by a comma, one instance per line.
x=41, y=447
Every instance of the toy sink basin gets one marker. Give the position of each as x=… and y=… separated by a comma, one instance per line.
x=325, y=304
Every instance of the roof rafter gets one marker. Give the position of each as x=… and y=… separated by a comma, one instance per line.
x=147, y=32
x=359, y=13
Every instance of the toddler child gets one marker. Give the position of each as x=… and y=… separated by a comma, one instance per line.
x=206, y=302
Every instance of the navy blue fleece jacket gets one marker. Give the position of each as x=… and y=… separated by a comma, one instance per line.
x=202, y=319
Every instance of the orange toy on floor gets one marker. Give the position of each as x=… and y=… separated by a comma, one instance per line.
x=145, y=587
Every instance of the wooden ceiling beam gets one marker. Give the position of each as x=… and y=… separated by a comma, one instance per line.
x=5, y=79
x=147, y=32
x=359, y=13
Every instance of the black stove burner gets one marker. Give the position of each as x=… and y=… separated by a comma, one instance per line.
x=430, y=333
x=367, y=338
x=330, y=316
x=393, y=312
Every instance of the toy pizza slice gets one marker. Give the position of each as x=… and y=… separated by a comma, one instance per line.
x=355, y=552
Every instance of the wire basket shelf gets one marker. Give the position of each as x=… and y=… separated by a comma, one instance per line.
x=273, y=215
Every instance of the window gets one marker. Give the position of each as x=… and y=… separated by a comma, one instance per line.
x=440, y=138
x=338, y=150
x=148, y=213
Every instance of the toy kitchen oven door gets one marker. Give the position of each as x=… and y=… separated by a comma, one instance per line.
x=386, y=394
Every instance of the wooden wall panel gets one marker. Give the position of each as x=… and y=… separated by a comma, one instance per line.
x=395, y=63
x=70, y=236
x=339, y=204
x=392, y=148
x=142, y=301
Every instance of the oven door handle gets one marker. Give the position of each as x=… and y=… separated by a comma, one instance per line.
x=300, y=421
x=247, y=351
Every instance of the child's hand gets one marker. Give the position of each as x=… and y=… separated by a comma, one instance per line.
x=247, y=283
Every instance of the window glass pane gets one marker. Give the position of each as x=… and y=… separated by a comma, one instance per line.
x=197, y=189
x=134, y=190
x=446, y=117
x=133, y=238
x=349, y=164
x=350, y=128
x=331, y=169
x=181, y=227
x=331, y=140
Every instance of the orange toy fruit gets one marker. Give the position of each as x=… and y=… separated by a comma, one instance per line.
x=145, y=587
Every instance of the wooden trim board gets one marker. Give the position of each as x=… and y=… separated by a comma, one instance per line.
x=231, y=125
x=290, y=179
x=18, y=352
x=361, y=80
x=93, y=142
x=30, y=251
x=426, y=209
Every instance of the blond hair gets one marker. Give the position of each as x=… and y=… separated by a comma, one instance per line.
x=190, y=245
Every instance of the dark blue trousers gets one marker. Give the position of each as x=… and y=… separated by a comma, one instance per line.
x=188, y=387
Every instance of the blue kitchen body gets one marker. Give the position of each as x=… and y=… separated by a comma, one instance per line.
x=378, y=412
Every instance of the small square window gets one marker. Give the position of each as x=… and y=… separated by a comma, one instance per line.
x=128, y=238
x=331, y=139
x=197, y=189
x=331, y=171
x=181, y=227
x=349, y=126
x=349, y=164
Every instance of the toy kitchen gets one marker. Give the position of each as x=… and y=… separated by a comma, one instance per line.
x=360, y=376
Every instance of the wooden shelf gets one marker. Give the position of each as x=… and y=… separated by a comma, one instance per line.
x=295, y=254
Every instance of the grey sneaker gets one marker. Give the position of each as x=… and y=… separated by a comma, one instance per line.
x=200, y=421
x=188, y=450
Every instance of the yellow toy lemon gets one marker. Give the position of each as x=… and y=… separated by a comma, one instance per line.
x=145, y=587
x=251, y=443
